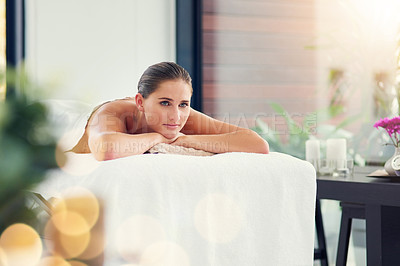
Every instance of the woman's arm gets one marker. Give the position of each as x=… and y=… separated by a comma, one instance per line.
x=108, y=136
x=205, y=133
x=113, y=145
x=243, y=140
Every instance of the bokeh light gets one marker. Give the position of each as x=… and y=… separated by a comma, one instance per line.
x=75, y=229
x=70, y=162
x=75, y=245
x=76, y=263
x=79, y=200
x=136, y=234
x=70, y=223
x=95, y=246
x=66, y=246
x=164, y=254
x=21, y=245
x=3, y=258
x=218, y=218
x=53, y=261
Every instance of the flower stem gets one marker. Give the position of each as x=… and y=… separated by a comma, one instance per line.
x=391, y=138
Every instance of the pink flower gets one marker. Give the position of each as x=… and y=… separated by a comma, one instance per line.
x=392, y=127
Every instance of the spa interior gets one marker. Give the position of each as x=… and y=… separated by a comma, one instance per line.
x=319, y=80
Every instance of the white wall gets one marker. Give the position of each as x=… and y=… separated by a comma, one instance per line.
x=96, y=50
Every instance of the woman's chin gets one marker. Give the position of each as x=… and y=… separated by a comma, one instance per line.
x=170, y=135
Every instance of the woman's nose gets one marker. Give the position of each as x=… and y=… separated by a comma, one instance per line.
x=174, y=115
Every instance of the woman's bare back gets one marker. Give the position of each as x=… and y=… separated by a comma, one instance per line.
x=120, y=115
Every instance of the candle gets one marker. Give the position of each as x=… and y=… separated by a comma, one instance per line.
x=336, y=152
x=312, y=150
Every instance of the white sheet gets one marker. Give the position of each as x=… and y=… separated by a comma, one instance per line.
x=234, y=209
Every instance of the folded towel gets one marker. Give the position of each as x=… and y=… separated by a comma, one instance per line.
x=230, y=209
x=174, y=149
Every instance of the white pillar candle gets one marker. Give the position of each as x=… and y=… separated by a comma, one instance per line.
x=336, y=151
x=312, y=150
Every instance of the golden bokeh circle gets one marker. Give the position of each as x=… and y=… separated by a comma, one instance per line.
x=76, y=263
x=74, y=245
x=21, y=245
x=53, y=261
x=3, y=258
x=64, y=245
x=70, y=223
x=81, y=201
x=95, y=246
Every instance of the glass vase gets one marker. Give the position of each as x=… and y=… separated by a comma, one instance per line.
x=388, y=165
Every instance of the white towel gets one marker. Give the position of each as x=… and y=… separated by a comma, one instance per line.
x=174, y=149
x=230, y=209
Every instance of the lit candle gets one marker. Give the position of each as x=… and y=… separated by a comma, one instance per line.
x=312, y=150
x=336, y=151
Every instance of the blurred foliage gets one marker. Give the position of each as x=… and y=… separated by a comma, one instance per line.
x=312, y=126
x=27, y=151
x=384, y=97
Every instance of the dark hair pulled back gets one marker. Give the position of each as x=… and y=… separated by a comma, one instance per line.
x=155, y=74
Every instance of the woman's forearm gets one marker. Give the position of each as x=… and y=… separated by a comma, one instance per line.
x=107, y=146
x=239, y=141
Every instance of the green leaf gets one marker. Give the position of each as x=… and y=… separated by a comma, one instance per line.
x=266, y=132
x=298, y=134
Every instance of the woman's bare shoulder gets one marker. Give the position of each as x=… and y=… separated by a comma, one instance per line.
x=119, y=105
x=117, y=112
x=112, y=116
x=116, y=107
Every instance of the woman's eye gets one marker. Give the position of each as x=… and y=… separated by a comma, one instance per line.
x=164, y=103
x=183, y=105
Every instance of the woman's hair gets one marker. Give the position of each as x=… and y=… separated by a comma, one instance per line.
x=155, y=74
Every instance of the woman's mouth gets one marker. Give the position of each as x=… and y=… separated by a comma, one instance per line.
x=172, y=126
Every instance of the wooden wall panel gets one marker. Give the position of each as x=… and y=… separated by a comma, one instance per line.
x=255, y=52
x=249, y=57
x=279, y=9
x=257, y=74
x=251, y=91
x=253, y=106
x=254, y=40
x=256, y=24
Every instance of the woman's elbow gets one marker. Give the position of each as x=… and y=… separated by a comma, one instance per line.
x=105, y=156
x=101, y=149
x=260, y=144
x=264, y=147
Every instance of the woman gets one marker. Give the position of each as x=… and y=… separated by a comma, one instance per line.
x=161, y=113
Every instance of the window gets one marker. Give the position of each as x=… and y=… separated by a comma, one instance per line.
x=330, y=66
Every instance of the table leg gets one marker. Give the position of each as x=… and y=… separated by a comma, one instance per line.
x=373, y=234
x=383, y=235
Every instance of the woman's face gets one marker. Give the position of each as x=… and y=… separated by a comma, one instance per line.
x=167, y=109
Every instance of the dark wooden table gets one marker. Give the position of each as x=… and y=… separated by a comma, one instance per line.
x=381, y=198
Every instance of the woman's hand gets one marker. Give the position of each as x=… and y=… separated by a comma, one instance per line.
x=179, y=140
x=173, y=140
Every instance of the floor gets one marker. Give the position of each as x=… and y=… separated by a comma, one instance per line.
x=331, y=218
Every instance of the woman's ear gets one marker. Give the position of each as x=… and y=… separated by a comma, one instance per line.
x=139, y=101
